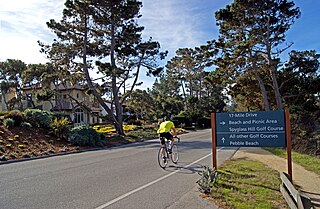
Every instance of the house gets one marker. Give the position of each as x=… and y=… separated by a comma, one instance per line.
x=71, y=100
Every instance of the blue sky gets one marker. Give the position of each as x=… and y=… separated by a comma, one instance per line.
x=174, y=23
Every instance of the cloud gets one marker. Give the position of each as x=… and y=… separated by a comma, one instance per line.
x=176, y=24
x=22, y=24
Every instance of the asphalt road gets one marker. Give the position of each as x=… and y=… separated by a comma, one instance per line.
x=122, y=177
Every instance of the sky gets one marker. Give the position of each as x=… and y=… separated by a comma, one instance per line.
x=173, y=23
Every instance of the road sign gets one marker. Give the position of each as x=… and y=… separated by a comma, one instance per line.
x=251, y=129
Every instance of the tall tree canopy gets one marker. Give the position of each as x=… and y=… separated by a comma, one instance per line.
x=107, y=31
x=11, y=77
x=251, y=39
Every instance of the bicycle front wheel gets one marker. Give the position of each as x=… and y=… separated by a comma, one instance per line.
x=162, y=157
x=175, y=154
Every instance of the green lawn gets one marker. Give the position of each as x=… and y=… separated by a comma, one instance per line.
x=244, y=184
x=308, y=162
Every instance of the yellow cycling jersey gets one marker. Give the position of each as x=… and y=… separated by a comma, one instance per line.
x=165, y=127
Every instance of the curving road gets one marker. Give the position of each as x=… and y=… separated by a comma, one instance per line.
x=122, y=177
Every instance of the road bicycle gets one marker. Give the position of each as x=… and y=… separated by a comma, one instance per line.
x=164, y=155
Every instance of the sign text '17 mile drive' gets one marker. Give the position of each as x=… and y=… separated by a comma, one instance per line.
x=251, y=129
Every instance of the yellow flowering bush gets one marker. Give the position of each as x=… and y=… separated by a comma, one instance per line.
x=104, y=129
x=129, y=127
x=111, y=129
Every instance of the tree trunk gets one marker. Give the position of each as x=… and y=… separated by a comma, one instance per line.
x=276, y=88
x=117, y=103
x=264, y=93
x=191, y=88
x=272, y=69
x=184, y=95
x=90, y=84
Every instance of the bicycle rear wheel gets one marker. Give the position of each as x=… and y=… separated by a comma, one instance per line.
x=162, y=157
x=175, y=154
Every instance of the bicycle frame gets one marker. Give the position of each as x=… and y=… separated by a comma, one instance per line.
x=164, y=152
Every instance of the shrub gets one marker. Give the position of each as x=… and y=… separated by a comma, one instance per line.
x=104, y=129
x=208, y=177
x=60, y=126
x=16, y=115
x=38, y=118
x=60, y=115
x=2, y=113
x=85, y=136
x=135, y=122
x=26, y=125
x=8, y=122
x=204, y=122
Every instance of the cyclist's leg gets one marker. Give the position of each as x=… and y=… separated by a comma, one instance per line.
x=170, y=138
x=163, y=143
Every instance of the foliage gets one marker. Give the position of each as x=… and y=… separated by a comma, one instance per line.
x=251, y=42
x=8, y=122
x=85, y=136
x=208, y=178
x=108, y=30
x=144, y=133
x=26, y=125
x=60, y=126
x=111, y=129
x=38, y=118
x=16, y=115
x=2, y=113
x=11, y=78
x=180, y=120
x=60, y=115
x=166, y=98
x=104, y=129
x=129, y=127
x=140, y=105
x=203, y=122
x=187, y=68
x=300, y=81
x=36, y=74
x=45, y=95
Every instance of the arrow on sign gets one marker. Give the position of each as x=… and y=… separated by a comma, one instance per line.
x=223, y=139
x=222, y=123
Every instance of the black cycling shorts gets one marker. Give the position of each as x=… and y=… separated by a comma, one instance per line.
x=166, y=135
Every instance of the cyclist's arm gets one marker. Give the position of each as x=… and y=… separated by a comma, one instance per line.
x=174, y=132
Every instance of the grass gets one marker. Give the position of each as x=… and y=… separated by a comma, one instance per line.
x=308, y=162
x=244, y=184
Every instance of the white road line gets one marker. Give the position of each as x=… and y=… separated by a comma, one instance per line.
x=151, y=183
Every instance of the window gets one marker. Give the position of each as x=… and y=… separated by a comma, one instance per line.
x=78, y=116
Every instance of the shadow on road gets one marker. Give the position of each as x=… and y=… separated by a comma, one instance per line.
x=181, y=167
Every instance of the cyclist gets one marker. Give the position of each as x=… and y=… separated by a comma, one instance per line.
x=164, y=131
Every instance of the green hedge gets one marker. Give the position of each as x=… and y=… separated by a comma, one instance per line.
x=85, y=136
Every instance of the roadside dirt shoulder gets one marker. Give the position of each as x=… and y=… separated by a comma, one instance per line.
x=306, y=181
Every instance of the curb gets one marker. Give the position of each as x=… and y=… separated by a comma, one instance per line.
x=68, y=153
x=46, y=156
